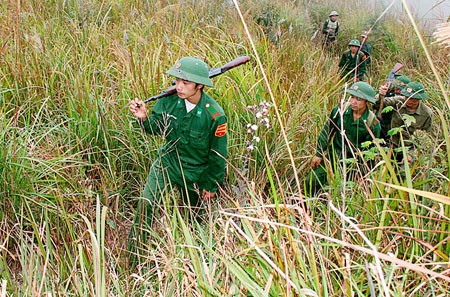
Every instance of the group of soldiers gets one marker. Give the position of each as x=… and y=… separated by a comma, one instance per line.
x=355, y=61
x=351, y=125
x=193, y=158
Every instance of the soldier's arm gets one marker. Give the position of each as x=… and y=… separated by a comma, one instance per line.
x=155, y=123
x=387, y=101
x=394, y=100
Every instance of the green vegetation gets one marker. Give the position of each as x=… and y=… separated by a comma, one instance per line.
x=73, y=161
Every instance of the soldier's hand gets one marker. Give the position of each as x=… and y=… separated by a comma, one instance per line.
x=316, y=162
x=138, y=109
x=206, y=196
x=383, y=90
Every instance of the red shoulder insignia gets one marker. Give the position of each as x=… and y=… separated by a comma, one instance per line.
x=221, y=130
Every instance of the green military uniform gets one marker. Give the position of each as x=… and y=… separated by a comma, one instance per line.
x=350, y=64
x=193, y=156
x=355, y=131
x=422, y=114
x=330, y=141
x=194, y=153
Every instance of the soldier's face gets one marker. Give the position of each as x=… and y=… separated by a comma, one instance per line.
x=187, y=89
x=354, y=49
x=412, y=103
x=358, y=104
x=333, y=18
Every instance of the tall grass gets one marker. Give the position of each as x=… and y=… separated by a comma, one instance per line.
x=73, y=162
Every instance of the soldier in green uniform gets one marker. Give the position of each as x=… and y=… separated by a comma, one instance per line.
x=355, y=116
x=352, y=63
x=408, y=103
x=194, y=126
x=395, y=89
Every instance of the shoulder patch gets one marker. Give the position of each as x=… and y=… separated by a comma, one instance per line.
x=212, y=111
x=221, y=130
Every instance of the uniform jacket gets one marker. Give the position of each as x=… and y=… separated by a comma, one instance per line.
x=328, y=24
x=355, y=131
x=348, y=63
x=195, y=146
x=422, y=114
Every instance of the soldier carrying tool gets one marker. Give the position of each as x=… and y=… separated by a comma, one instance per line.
x=407, y=104
x=330, y=29
x=193, y=157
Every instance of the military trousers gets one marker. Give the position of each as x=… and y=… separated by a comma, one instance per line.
x=161, y=179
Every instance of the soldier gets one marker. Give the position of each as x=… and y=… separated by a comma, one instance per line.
x=352, y=64
x=408, y=103
x=195, y=130
x=397, y=85
x=355, y=116
x=330, y=29
x=386, y=117
x=366, y=48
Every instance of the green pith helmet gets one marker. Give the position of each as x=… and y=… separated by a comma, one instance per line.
x=400, y=82
x=191, y=69
x=362, y=90
x=354, y=42
x=414, y=90
x=334, y=12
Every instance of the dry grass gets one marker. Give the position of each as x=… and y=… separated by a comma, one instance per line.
x=73, y=162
